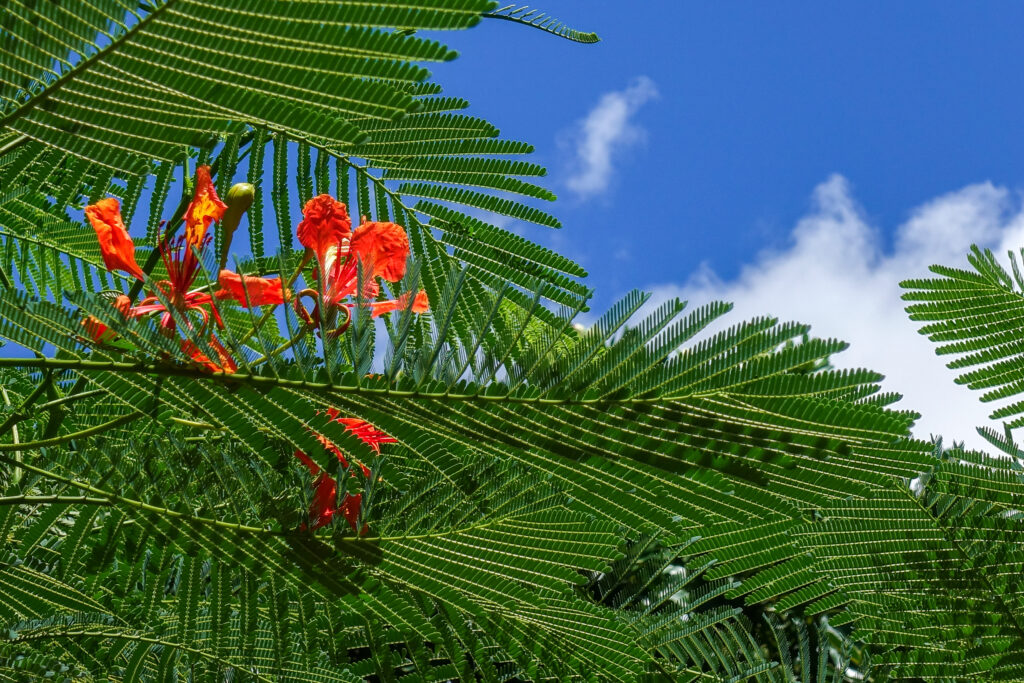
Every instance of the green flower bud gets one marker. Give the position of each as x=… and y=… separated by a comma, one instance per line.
x=239, y=199
x=240, y=195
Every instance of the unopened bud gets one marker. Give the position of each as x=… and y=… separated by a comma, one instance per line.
x=239, y=199
x=240, y=195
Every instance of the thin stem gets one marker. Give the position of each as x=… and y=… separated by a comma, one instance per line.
x=70, y=398
x=545, y=23
x=57, y=440
x=12, y=421
x=104, y=633
x=18, y=415
x=54, y=499
x=114, y=498
x=14, y=144
x=281, y=349
x=194, y=424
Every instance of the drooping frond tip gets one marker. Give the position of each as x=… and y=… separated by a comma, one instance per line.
x=522, y=14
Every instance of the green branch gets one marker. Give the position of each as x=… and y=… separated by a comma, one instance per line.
x=525, y=16
x=111, y=497
x=19, y=415
x=57, y=440
x=70, y=398
x=952, y=537
x=79, y=365
x=53, y=500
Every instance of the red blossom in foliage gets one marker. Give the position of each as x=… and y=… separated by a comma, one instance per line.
x=224, y=362
x=419, y=305
x=205, y=208
x=182, y=266
x=116, y=247
x=325, y=489
x=381, y=248
x=99, y=332
x=325, y=224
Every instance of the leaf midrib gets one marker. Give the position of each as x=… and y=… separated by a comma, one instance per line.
x=80, y=365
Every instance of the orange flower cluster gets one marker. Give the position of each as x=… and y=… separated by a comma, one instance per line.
x=182, y=265
x=380, y=248
x=325, y=489
x=383, y=250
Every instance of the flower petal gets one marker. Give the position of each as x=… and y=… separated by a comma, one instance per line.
x=314, y=469
x=325, y=224
x=99, y=332
x=224, y=363
x=349, y=508
x=331, y=448
x=325, y=491
x=116, y=246
x=321, y=508
x=364, y=431
x=206, y=208
x=419, y=305
x=383, y=248
x=261, y=291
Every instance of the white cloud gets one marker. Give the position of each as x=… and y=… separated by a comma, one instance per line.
x=837, y=276
x=605, y=132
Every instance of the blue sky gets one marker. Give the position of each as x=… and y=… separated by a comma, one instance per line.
x=796, y=158
x=758, y=103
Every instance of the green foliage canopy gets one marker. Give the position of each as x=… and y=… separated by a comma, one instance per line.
x=639, y=499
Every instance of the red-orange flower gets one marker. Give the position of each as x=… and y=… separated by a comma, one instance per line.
x=383, y=249
x=261, y=291
x=179, y=259
x=99, y=332
x=324, y=505
x=205, y=209
x=325, y=224
x=116, y=246
x=181, y=262
x=182, y=265
x=224, y=362
x=419, y=305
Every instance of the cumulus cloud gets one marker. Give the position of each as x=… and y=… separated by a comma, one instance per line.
x=837, y=275
x=605, y=132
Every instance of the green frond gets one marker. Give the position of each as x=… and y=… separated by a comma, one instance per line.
x=522, y=14
x=976, y=317
x=950, y=550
